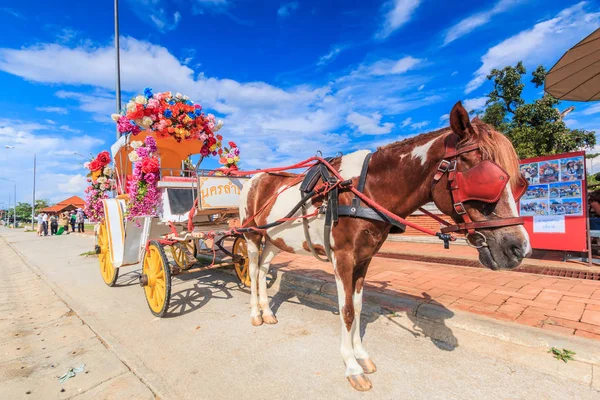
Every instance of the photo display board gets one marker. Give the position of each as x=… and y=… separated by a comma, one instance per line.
x=555, y=204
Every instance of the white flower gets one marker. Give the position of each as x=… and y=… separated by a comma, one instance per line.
x=115, y=117
x=186, y=98
x=140, y=99
x=108, y=171
x=147, y=122
x=178, y=95
x=104, y=187
x=133, y=156
x=131, y=106
x=136, y=143
x=86, y=165
x=102, y=179
x=218, y=126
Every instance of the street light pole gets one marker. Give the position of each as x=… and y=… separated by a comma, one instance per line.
x=33, y=203
x=15, y=208
x=117, y=61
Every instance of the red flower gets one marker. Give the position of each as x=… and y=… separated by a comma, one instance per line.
x=95, y=165
x=220, y=151
x=232, y=144
x=150, y=165
x=211, y=141
x=219, y=137
x=103, y=158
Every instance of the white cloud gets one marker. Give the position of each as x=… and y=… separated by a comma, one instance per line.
x=592, y=109
x=475, y=104
x=285, y=10
x=406, y=122
x=445, y=117
x=73, y=184
x=545, y=42
x=54, y=171
x=474, y=21
x=154, y=13
x=397, y=13
x=214, y=6
x=49, y=121
x=394, y=67
x=57, y=110
x=419, y=125
x=67, y=128
x=421, y=87
x=454, y=73
x=329, y=57
x=369, y=125
x=272, y=125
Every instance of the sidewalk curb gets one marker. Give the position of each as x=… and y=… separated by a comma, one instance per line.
x=439, y=317
x=137, y=367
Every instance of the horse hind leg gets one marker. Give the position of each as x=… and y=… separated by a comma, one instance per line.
x=269, y=251
x=354, y=371
x=253, y=254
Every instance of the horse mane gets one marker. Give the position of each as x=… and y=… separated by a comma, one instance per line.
x=414, y=140
x=496, y=147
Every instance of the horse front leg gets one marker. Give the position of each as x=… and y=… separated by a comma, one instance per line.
x=361, y=355
x=269, y=251
x=253, y=258
x=344, y=281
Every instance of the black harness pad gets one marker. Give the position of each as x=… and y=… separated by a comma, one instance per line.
x=312, y=177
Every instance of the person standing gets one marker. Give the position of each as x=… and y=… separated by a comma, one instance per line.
x=79, y=219
x=45, y=223
x=53, y=225
x=72, y=220
x=64, y=222
x=40, y=223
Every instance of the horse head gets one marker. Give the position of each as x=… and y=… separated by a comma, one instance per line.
x=479, y=190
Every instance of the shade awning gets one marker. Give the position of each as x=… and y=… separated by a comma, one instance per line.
x=576, y=76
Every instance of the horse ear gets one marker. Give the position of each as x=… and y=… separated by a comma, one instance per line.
x=459, y=121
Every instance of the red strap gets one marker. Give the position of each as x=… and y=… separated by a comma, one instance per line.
x=494, y=223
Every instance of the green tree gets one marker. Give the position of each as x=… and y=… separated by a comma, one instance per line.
x=23, y=211
x=536, y=128
x=39, y=204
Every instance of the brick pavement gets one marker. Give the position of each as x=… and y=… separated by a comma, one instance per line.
x=566, y=305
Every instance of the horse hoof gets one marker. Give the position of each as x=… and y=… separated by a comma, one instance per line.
x=256, y=320
x=360, y=382
x=367, y=365
x=269, y=319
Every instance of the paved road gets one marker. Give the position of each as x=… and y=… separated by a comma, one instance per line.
x=207, y=349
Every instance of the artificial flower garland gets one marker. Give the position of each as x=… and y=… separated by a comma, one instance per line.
x=144, y=196
x=101, y=182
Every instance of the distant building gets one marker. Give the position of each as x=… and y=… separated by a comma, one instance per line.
x=70, y=204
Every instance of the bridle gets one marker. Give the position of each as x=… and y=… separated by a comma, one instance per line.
x=484, y=182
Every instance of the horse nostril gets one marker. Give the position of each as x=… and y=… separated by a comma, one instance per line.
x=517, y=252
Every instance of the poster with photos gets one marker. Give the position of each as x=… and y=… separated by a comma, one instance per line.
x=572, y=206
x=531, y=173
x=549, y=171
x=534, y=207
x=536, y=192
x=571, y=169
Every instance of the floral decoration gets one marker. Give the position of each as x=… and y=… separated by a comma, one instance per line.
x=101, y=182
x=144, y=196
x=230, y=157
x=169, y=115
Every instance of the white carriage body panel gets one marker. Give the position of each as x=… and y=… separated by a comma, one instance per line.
x=218, y=192
x=114, y=214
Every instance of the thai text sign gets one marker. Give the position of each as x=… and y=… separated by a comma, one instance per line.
x=220, y=192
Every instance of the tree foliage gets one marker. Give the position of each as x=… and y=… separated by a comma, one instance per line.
x=535, y=128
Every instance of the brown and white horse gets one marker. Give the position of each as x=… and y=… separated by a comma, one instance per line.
x=400, y=178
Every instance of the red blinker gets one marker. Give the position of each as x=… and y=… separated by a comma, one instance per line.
x=484, y=182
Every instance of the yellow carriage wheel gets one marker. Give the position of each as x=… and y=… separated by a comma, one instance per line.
x=156, y=274
x=107, y=270
x=179, y=255
x=242, y=269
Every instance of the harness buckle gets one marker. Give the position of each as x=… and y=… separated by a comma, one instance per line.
x=444, y=165
x=452, y=166
x=459, y=208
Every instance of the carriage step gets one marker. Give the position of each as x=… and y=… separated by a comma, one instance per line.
x=188, y=254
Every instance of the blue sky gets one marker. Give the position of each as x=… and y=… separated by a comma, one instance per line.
x=287, y=78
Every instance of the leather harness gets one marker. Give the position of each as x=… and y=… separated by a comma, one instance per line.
x=333, y=210
x=490, y=181
x=490, y=191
